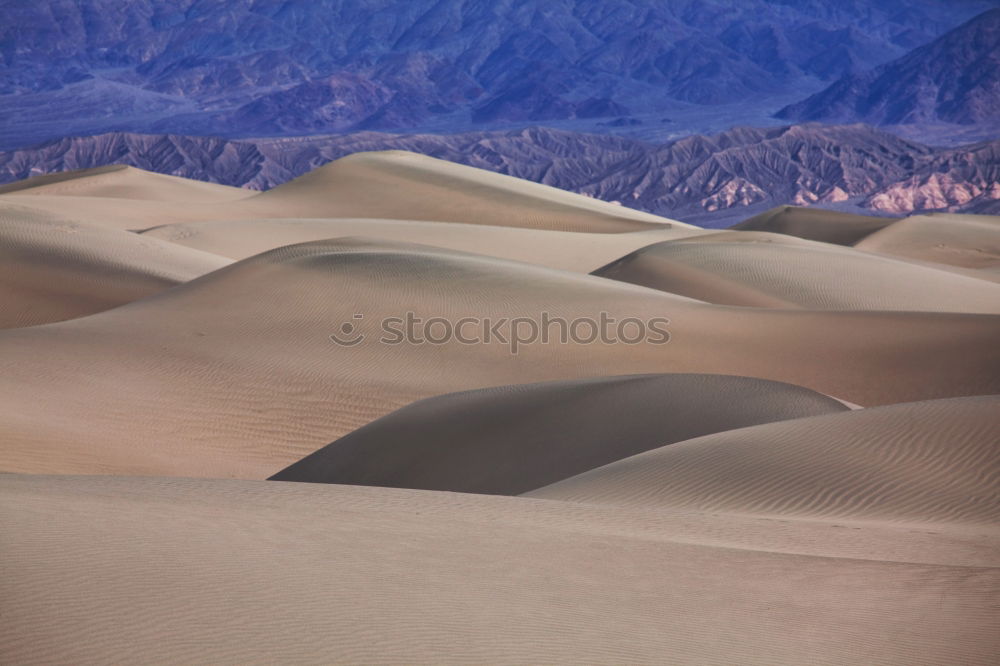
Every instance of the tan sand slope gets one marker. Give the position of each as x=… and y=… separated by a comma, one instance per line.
x=511, y=439
x=816, y=224
x=52, y=269
x=579, y=252
x=387, y=185
x=732, y=269
x=400, y=185
x=118, y=181
x=933, y=461
x=968, y=241
x=98, y=570
x=235, y=373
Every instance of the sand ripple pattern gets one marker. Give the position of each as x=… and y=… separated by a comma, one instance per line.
x=935, y=461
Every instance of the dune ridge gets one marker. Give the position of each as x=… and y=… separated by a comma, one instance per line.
x=573, y=251
x=766, y=272
x=795, y=459
x=384, y=185
x=510, y=439
x=53, y=268
x=966, y=241
x=816, y=224
x=934, y=461
x=260, y=329
x=118, y=181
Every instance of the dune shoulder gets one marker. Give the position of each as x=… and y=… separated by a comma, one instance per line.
x=511, y=439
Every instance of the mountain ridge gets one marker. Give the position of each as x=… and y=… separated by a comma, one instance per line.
x=266, y=67
x=955, y=79
x=697, y=178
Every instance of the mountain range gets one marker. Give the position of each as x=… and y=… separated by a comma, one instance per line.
x=954, y=79
x=292, y=67
x=713, y=180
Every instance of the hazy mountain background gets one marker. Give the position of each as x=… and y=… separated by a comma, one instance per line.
x=955, y=78
x=640, y=96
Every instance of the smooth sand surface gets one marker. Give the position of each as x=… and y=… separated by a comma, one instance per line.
x=52, y=269
x=401, y=185
x=118, y=181
x=511, y=439
x=384, y=185
x=967, y=241
x=828, y=226
x=235, y=373
x=102, y=569
x=707, y=516
x=934, y=461
x=732, y=269
x=572, y=251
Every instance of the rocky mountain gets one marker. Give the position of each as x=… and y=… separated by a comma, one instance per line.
x=705, y=179
x=246, y=67
x=966, y=180
x=955, y=79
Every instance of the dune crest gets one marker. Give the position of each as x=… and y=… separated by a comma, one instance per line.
x=816, y=224
x=935, y=462
x=53, y=269
x=118, y=181
x=242, y=359
x=966, y=241
x=573, y=251
x=425, y=188
x=728, y=269
x=511, y=439
x=716, y=447
x=384, y=185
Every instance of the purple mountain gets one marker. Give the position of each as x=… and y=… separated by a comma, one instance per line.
x=955, y=79
x=255, y=67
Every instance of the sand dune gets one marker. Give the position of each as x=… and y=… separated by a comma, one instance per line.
x=732, y=269
x=949, y=239
x=385, y=185
x=728, y=509
x=579, y=252
x=102, y=569
x=933, y=461
x=118, y=181
x=816, y=224
x=235, y=373
x=424, y=188
x=511, y=439
x=52, y=269
x=968, y=241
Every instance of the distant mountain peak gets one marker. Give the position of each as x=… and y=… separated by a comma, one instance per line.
x=240, y=68
x=955, y=79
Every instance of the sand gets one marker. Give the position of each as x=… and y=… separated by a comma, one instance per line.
x=424, y=188
x=512, y=439
x=816, y=224
x=577, y=251
x=110, y=569
x=793, y=460
x=728, y=269
x=967, y=241
x=384, y=185
x=933, y=461
x=52, y=269
x=118, y=181
x=236, y=375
